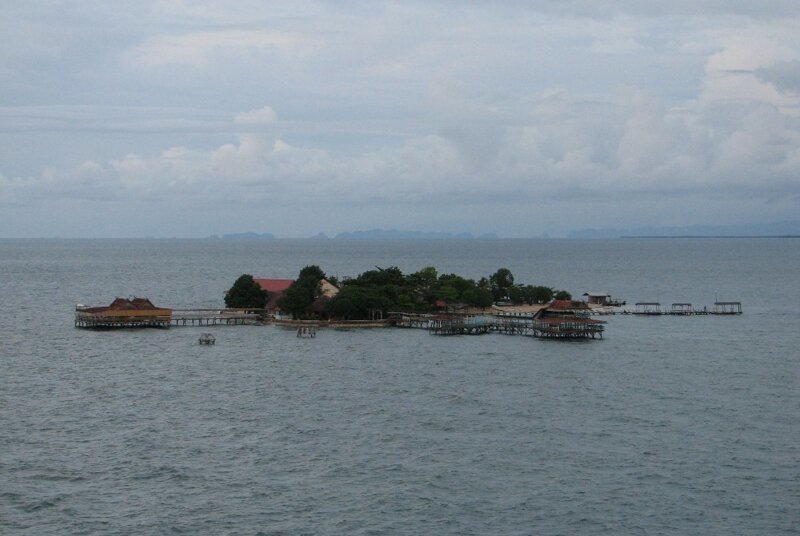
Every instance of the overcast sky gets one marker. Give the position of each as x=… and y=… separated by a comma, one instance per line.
x=190, y=118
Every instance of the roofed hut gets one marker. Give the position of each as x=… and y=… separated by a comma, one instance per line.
x=566, y=319
x=123, y=313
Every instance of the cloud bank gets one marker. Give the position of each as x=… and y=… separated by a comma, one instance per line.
x=513, y=117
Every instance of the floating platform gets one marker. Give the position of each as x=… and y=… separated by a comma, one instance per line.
x=207, y=338
x=307, y=332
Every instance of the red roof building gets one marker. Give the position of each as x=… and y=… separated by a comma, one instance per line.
x=274, y=285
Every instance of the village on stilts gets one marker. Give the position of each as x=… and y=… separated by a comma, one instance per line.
x=442, y=305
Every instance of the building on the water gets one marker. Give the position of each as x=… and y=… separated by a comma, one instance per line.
x=597, y=298
x=123, y=313
x=603, y=299
x=566, y=319
x=648, y=308
x=728, y=308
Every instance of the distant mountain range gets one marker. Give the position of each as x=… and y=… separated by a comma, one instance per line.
x=394, y=234
x=785, y=228
x=374, y=234
x=247, y=236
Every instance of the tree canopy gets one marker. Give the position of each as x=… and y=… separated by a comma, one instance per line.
x=246, y=293
x=299, y=297
x=389, y=289
x=502, y=281
x=562, y=295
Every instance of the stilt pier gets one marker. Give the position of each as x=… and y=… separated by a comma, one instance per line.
x=215, y=317
x=682, y=309
x=549, y=328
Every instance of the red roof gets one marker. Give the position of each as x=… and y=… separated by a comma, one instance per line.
x=563, y=305
x=274, y=285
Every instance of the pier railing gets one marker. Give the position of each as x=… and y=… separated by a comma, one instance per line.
x=215, y=317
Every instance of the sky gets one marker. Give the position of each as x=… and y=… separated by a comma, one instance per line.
x=181, y=118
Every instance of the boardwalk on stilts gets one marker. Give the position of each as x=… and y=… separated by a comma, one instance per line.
x=525, y=325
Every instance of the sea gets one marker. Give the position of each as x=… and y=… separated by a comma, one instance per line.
x=669, y=425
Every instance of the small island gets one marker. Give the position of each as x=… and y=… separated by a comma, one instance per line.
x=374, y=294
x=444, y=304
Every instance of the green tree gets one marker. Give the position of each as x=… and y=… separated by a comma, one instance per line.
x=381, y=276
x=424, y=279
x=355, y=302
x=562, y=295
x=246, y=293
x=516, y=294
x=312, y=271
x=298, y=298
x=447, y=293
x=537, y=294
x=423, y=284
x=478, y=297
x=502, y=280
x=457, y=282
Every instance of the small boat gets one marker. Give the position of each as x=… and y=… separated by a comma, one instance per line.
x=207, y=338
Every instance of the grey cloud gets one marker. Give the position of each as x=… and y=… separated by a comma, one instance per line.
x=593, y=8
x=784, y=75
x=508, y=105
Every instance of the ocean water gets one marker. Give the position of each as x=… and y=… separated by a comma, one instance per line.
x=670, y=425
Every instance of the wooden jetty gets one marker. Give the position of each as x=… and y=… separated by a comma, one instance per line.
x=553, y=324
x=460, y=325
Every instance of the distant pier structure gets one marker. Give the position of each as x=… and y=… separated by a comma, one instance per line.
x=727, y=308
x=563, y=319
x=216, y=317
x=686, y=309
x=648, y=308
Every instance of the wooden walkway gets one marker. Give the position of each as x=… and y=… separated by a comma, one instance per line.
x=684, y=309
x=507, y=325
x=179, y=317
x=215, y=317
x=116, y=322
